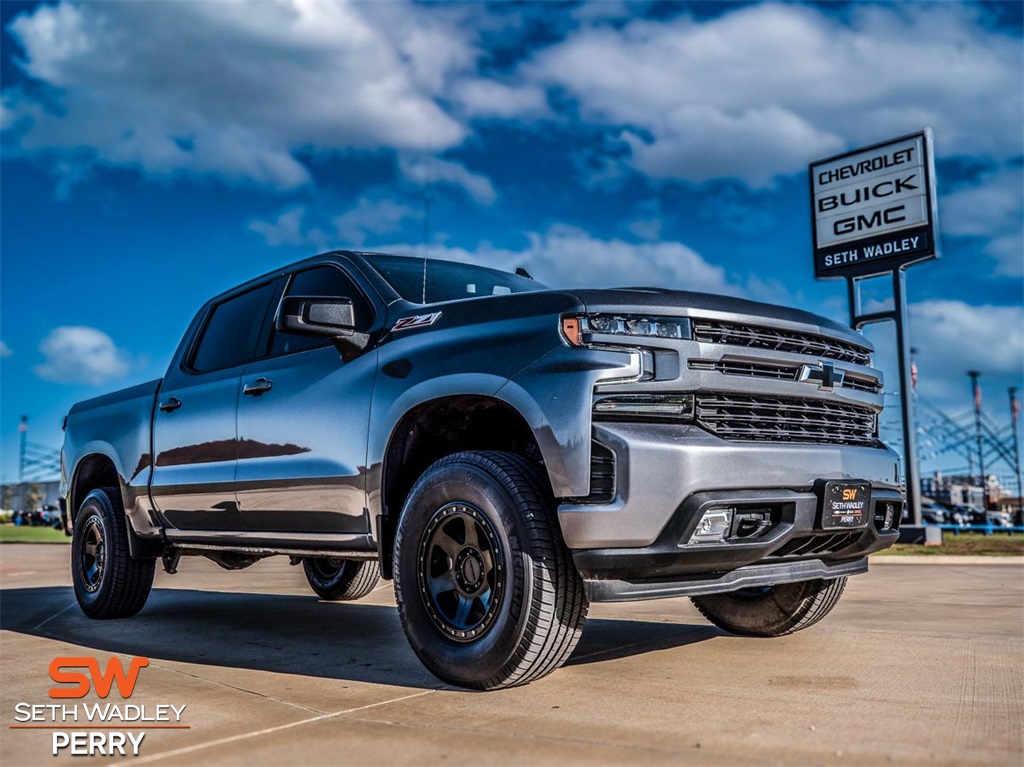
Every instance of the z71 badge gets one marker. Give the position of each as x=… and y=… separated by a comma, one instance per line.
x=419, y=321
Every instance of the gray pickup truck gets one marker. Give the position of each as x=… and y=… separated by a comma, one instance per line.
x=504, y=452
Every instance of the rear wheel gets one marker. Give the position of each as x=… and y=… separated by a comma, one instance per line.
x=108, y=582
x=341, y=579
x=772, y=611
x=487, y=592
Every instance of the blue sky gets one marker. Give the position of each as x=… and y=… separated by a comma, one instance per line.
x=155, y=153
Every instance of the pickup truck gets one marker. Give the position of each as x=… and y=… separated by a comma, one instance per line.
x=505, y=452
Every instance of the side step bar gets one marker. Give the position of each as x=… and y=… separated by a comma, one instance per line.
x=740, y=578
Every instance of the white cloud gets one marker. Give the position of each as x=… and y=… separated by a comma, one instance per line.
x=759, y=91
x=954, y=337
x=432, y=170
x=285, y=229
x=488, y=98
x=82, y=355
x=234, y=89
x=376, y=217
x=5, y=350
x=565, y=256
x=992, y=208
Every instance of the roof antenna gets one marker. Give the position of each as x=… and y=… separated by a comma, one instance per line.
x=428, y=182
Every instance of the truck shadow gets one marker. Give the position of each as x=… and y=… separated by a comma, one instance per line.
x=288, y=634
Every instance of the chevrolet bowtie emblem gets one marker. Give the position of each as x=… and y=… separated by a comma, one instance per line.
x=825, y=375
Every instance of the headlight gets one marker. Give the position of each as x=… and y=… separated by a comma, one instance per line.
x=578, y=329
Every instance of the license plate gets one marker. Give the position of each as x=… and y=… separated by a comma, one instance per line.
x=845, y=504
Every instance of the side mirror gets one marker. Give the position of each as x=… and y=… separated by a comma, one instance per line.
x=324, y=317
x=332, y=318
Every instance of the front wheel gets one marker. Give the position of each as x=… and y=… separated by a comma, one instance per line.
x=341, y=579
x=771, y=611
x=108, y=582
x=486, y=589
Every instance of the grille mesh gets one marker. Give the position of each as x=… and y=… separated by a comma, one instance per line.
x=749, y=418
x=737, y=334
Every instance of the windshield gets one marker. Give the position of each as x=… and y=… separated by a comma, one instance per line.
x=446, y=280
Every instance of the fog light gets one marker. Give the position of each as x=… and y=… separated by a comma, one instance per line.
x=713, y=526
x=890, y=514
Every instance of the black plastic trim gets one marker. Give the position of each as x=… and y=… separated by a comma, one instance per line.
x=743, y=577
x=670, y=556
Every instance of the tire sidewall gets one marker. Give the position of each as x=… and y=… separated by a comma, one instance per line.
x=95, y=507
x=464, y=663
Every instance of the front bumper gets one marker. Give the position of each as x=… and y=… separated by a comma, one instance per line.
x=667, y=476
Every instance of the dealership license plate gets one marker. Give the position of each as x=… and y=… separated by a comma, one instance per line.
x=845, y=504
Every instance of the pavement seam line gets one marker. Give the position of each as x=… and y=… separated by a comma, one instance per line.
x=238, y=689
x=278, y=728
x=55, y=615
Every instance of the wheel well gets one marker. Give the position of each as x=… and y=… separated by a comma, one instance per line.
x=440, y=427
x=93, y=471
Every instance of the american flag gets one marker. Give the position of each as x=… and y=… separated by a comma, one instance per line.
x=1014, y=408
x=977, y=396
x=913, y=376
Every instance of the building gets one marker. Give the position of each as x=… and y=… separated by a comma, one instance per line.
x=960, y=490
x=29, y=496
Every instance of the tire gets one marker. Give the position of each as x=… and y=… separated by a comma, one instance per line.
x=108, y=582
x=341, y=580
x=774, y=610
x=505, y=605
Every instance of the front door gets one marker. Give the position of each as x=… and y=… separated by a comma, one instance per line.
x=195, y=425
x=302, y=425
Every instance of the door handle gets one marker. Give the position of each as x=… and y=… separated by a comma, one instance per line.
x=258, y=387
x=170, y=405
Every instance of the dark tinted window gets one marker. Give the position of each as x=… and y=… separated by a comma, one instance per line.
x=233, y=330
x=446, y=280
x=323, y=282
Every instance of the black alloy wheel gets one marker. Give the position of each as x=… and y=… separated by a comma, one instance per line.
x=92, y=555
x=462, y=571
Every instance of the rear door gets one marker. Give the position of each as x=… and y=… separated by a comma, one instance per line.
x=195, y=425
x=303, y=424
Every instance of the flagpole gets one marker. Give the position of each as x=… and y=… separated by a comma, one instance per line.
x=1014, y=417
x=974, y=375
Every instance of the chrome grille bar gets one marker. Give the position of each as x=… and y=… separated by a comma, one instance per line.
x=759, y=337
x=779, y=372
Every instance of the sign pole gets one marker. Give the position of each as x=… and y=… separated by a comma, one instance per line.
x=907, y=404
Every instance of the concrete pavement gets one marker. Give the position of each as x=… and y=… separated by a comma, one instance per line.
x=919, y=664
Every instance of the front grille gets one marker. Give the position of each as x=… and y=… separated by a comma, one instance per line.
x=777, y=371
x=758, y=337
x=807, y=545
x=747, y=418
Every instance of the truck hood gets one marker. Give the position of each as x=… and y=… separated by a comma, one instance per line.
x=710, y=306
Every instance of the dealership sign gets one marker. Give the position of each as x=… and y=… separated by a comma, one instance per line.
x=874, y=208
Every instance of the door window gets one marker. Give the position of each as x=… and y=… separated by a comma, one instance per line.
x=322, y=282
x=233, y=330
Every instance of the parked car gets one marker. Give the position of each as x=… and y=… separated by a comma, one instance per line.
x=505, y=452
x=933, y=514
